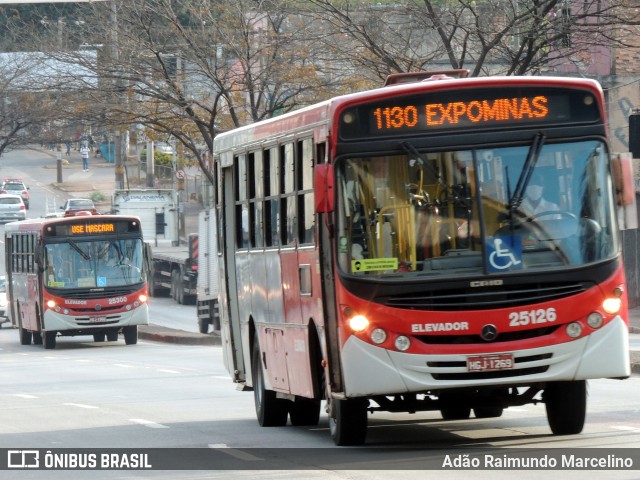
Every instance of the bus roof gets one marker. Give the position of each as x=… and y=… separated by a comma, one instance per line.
x=324, y=113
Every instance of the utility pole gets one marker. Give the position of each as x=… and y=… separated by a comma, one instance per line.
x=120, y=146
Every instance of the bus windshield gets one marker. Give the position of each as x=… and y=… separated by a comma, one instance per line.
x=77, y=264
x=469, y=212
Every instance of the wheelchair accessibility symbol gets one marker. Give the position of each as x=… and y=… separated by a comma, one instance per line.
x=504, y=253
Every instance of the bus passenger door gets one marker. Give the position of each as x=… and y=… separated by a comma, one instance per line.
x=230, y=323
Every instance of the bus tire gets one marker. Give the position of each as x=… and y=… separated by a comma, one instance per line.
x=25, y=336
x=453, y=406
x=130, y=333
x=455, y=413
x=566, y=405
x=270, y=410
x=112, y=335
x=304, y=411
x=49, y=339
x=348, y=421
x=488, y=412
x=98, y=337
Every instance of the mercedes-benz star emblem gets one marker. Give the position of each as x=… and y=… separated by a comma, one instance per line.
x=489, y=333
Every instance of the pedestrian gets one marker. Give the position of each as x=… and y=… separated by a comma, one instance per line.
x=84, y=151
x=68, y=149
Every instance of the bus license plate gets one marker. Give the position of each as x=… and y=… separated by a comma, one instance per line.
x=488, y=363
x=100, y=319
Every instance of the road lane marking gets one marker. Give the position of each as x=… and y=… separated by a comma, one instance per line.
x=80, y=405
x=24, y=395
x=624, y=428
x=147, y=423
x=164, y=370
x=233, y=452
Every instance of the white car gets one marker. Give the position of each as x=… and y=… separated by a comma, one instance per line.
x=12, y=208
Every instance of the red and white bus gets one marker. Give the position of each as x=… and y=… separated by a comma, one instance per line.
x=389, y=251
x=83, y=275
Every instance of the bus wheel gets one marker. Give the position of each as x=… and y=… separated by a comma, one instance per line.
x=112, y=335
x=130, y=334
x=304, y=411
x=270, y=410
x=49, y=339
x=348, y=421
x=452, y=407
x=98, y=337
x=25, y=336
x=455, y=413
x=566, y=404
x=488, y=412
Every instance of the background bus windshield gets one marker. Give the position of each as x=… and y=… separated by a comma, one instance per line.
x=80, y=264
x=476, y=211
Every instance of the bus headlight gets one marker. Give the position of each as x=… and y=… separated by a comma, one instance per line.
x=51, y=304
x=142, y=298
x=358, y=323
x=612, y=305
x=574, y=330
x=594, y=320
x=403, y=343
x=378, y=336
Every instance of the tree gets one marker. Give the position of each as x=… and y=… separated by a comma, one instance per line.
x=508, y=37
x=189, y=69
x=30, y=106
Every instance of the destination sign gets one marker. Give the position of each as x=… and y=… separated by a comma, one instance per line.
x=93, y=227
x=434, y=112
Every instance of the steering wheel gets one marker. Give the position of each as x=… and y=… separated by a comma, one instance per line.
x=548, y=213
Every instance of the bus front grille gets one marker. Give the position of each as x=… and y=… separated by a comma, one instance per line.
x=505, y=296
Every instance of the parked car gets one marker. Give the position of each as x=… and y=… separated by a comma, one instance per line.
x=12, y=208
x=17, y=187
x=79, y=206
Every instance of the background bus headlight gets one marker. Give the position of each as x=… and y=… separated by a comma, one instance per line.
x=403, y=343
x=594, y=320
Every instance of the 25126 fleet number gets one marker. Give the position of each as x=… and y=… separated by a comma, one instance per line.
x=532, y=317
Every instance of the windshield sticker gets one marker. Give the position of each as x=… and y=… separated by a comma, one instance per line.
x=504, y=253
x=374, y=264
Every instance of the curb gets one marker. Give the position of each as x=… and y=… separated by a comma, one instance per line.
x=170, y=335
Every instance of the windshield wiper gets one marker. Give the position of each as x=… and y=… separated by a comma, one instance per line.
x=75, y=246
x=525, y=175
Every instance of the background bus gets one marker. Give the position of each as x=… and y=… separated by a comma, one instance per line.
x=390, y=250
x=83, y=275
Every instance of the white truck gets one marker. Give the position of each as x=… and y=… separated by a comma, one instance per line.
x=207, y=301
x=173, y=268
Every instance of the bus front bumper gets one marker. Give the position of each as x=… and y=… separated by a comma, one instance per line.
x=54, y=321
x=370, y=370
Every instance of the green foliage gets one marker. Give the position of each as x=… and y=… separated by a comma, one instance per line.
x=159, y=159
x=97, y=196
